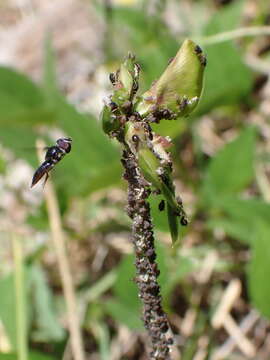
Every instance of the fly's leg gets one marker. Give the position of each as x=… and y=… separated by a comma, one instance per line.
x=46, y=178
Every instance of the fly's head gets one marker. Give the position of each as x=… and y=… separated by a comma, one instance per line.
x=65, y=144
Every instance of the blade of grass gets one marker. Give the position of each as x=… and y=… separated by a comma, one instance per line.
x=19, y=283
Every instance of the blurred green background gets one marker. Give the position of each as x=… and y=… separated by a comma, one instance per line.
x=55, y=60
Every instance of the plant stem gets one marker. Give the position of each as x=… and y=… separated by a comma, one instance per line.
x=234, y=34
x=21, y=327
x=155, y=320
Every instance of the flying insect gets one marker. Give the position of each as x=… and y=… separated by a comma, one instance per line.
x=53, y=155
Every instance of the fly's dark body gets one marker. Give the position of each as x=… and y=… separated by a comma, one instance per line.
x=53, y=155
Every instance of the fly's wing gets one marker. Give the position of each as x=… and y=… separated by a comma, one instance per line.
x=44, y=168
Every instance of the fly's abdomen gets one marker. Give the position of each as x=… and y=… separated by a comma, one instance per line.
x=44, y=168
x=53, y=155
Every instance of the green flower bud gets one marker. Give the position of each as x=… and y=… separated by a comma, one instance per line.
x=149, y=154
x=179, y=87
x=150, y=167
x=125, y=78
x=125, y=81
x=148, y=162
x=135, y=136
x=110, y=121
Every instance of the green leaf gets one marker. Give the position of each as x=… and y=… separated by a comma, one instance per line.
x=172, y=128
x=259, y=270
x=18, y=87
x=38, y=356
x=236, y=228
x=162, y=260
x=173, y=222
x=160, y=220
x=94, y=292
x=94, y=161
x=47, y=327
x=23, y=104
x=227, y=18
x=3, y=165
x=49, y=70
x=232, y=168
x=21, y=140
x=33, y=355
x=91, y=152
x=245, y=208
x=93, y=157
x=227, y=79
x=8, y=305
x=182, y=266
x=38, y=304
x=7, y=308
x=122, y=313
x=241, y=215
x=125, y=288
x=103, y=341
x=108, y=176
x=21, y=100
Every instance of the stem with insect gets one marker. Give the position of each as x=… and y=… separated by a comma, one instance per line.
x=148, y=166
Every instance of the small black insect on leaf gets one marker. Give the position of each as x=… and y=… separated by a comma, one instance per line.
x=161, y=205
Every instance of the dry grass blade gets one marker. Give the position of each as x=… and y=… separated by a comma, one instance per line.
x=247, y=323
x=248, y=31
x=223, y=318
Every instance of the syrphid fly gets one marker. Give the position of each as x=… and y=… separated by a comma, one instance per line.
x=53, y=155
